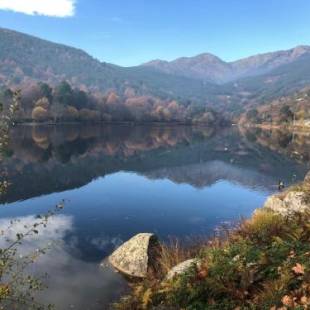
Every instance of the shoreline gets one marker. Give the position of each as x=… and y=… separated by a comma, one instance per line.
x=127, y=123
x=229, y=272
x=277, y=127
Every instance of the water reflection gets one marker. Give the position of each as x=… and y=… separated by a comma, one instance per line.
x=72, y=282
x=121, y=180
x=291, y=144
x=51, y=159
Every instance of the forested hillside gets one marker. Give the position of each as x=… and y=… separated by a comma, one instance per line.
x=24, y=59
x=196, y=84
x=293, y=110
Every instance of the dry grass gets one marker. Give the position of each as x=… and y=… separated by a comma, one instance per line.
x=262, y=264
x=174, y=253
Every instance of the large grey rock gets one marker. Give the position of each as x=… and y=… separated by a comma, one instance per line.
x=291, y=203
x=134, y=257
x=180, y=268
x=307, y=177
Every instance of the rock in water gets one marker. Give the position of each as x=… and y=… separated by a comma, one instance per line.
x=307, y=178
x=135, y=256
x=180, y=268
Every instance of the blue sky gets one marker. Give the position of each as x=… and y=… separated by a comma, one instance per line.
x=130, y=32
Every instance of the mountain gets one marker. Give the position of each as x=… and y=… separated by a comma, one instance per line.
x=24, y=58
x=204, y=80
x=205, y=67
x=281, y=81
x=211, y=68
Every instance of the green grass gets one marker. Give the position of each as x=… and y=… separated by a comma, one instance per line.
x=263, y=264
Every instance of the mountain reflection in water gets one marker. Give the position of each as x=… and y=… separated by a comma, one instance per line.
x=121, y=180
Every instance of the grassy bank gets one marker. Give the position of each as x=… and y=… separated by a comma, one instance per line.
x=264, y=263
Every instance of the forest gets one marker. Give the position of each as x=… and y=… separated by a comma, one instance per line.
x=42, y=103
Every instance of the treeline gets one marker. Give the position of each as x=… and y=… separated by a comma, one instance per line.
x=43, y=103
x=291, y=110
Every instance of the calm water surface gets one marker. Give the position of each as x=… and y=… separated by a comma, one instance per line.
x=118, y=181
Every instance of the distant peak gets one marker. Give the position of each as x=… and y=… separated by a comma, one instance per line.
x=204, y=57
x=208, y=56
x=302, y=47
x=155, y=62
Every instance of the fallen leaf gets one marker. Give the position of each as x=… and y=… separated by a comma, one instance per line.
x=287, y=301
x=299, y=269
x=304, y=300
x=202, y=274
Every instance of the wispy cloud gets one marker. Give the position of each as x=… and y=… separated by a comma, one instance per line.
x=54, y=8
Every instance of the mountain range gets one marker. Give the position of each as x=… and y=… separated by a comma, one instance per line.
x=204, y=78
x=211, y=68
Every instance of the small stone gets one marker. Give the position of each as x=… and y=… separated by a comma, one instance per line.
x=180, y=268
x=135, y=256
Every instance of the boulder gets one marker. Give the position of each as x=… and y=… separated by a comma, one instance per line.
x=287, y=205
x=135, y=256
x=180, y=268
x=275, y=203
x=307, y=177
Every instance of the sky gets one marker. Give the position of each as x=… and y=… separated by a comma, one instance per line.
x=131, y=32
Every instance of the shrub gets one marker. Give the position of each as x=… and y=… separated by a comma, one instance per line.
x=264, y=263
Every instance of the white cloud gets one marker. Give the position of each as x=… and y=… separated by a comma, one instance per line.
x=55, y=8
x=56, y=229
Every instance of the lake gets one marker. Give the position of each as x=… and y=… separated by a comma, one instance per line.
x=120, y=180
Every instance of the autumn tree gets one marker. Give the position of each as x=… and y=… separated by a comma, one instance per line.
x=71, y=114
x=43, y=103
x=40, y=114
x=87, y=115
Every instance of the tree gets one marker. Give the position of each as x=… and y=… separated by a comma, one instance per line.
x=252, y=114
x=40, y=114
x=139, y=107
x=29, y=96
x=286, y=114
x=6, y=121
x=71, y=114
x=17, y=287
x=129, y=92
x=64, y=93
x=87, y=115
x=46, y=91
x=43, y=103
x=207, y=118
x=79, y=99
x=112, y=98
